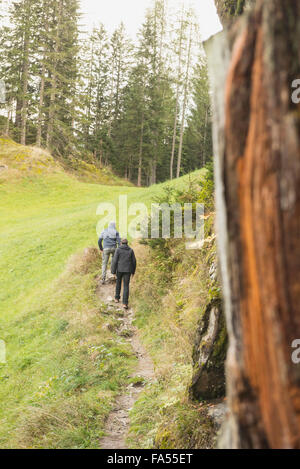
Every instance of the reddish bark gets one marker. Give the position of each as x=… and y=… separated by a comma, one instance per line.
x=262, y=192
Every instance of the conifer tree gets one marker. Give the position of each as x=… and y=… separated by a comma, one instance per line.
x=178, y=49
x=100, y=97
x=63, y=75
x=197, y=144
x=185, y=92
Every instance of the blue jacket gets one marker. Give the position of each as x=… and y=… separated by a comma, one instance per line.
x=109, y=237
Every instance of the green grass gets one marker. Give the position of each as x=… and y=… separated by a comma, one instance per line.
x=59, y=382
x=64, y=367
x=167, y=308
x=43, y=221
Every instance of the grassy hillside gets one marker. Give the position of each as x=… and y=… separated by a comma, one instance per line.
x=46, y=216
x=17, y=161
x=52, y=392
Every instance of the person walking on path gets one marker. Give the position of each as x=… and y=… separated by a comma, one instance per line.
x=108, y=242
x=124, y=265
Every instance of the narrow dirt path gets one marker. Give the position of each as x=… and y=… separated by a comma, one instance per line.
x=117, y=424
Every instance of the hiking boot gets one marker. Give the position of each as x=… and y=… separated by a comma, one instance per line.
x=125, y=306
x=116, y=300
x=103, y=282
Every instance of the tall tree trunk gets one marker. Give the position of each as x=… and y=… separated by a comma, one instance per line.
x=174, y=134
x=130, y=168
x=41, y=104
x=139, y=180
x=118, y=83
x=153, y=171
x=101, y=152
x=159, y=19
x=43, y=75
x=111, y=99
x=51, y=112
x=25, y=74
x=177, y=97
x=89, y=99
x=18, y=112
x=257, y=146
x=9, y=114
x=186, y=87
x=58, y=13
x=205, y=139
x=154, y=163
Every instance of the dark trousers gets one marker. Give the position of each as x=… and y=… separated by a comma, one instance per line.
x=125, y=276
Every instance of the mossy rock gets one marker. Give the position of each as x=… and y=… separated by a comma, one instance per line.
x=209, y=354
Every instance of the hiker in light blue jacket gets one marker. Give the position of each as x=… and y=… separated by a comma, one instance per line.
x=108, y=242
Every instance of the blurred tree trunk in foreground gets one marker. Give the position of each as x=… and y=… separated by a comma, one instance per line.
x=257, y=149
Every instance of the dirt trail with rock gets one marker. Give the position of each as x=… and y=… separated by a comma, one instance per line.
x=117, y=424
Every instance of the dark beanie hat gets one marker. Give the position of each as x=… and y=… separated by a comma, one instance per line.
x=124, y=241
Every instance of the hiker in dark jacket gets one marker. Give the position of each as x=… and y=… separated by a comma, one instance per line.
x=124, y=265
x=108, y=241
